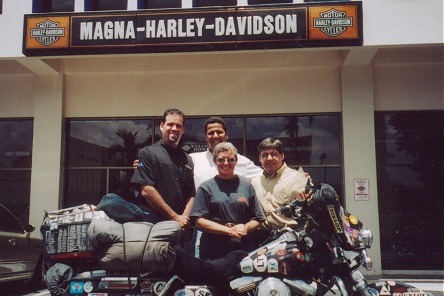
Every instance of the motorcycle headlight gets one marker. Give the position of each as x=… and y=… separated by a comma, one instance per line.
x=366, y=237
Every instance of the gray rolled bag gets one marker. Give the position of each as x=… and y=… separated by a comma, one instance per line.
x=138, y=246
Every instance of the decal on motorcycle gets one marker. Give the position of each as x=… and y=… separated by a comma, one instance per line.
x=88, y=287
x=307, y=258
x=353, y=219
x=76, y=288
x=281, y=252
x=334, y=218
x=261, y=251
x=299, y=256
x=146, y=286
x=273, y=266
x=98, y=273
x=413, y=289
x=158, y=287
x=203, y=292
x=385, y=290
x=391, y=283
x=247, y=266
x=284, y=268
x=277, y=248
x=184, y=292
x=260, y=263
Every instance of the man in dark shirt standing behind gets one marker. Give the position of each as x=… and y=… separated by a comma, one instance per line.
x=165, y=174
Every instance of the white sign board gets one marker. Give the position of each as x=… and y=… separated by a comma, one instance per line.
x=361, y=189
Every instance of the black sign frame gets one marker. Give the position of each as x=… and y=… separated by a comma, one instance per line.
x=192, y=30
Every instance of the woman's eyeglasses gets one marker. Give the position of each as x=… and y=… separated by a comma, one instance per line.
x=222, y=160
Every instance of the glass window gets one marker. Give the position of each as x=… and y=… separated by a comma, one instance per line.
x=15, y=166
x=8, y=222
x=97, y=143
x=97, y=5
x=155, y=4
x=194, y=139
x=84, y=186
x=16, y=143
x=409, y=148
x=100, y=153
x=310, y=141
x=52, y=6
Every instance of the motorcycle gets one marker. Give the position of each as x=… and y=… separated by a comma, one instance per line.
x=324, y=255
x=327, y=252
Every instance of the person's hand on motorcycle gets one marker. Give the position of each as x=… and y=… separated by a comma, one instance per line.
x=182, y=220
x=136, y=164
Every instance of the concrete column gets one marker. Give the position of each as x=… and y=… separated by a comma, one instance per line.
x=47, y=147
x=359, y=150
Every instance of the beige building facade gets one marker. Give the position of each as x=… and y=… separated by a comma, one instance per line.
x=391, y=71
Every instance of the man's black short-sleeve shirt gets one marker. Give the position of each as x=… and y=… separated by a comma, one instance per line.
x=168, y=170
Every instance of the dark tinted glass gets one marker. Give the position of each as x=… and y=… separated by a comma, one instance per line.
x=98, y=143
x=15, y=186
x=84, y=186
x=194, y=139
x=308, y=140
x=8, y=222
x=16, y=143
x=409, y=151
x=120, y=183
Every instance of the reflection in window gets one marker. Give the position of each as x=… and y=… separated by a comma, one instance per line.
x=15, y=188
x=8, y=222
x=107, y=142
x=15, y=166
x=100, y=153
x=308, y=140
x=16, y=143
x=84, y=186
x=409, y=155
x=94, y=148
x=194, y=139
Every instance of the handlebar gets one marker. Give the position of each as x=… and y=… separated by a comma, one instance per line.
x=290, y=208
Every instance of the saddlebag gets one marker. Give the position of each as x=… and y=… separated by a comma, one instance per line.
x=139, y=246
x=64, y=233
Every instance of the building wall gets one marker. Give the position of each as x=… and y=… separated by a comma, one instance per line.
x=237, y=84
x=352, y=81
x=17, y=95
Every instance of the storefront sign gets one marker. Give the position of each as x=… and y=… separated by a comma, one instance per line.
x=201, y=29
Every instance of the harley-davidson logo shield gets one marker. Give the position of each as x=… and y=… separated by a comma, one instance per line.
x=47, y=32
x=333, y=22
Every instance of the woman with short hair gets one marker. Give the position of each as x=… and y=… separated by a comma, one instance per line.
x=226, y=211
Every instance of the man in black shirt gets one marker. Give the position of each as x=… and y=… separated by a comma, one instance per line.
x=165, y=174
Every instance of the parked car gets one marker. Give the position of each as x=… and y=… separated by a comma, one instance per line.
x=21, y=254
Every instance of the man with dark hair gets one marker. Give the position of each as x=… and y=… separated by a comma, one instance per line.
x=165, y=174
x=216, y=131
x=279, y=185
